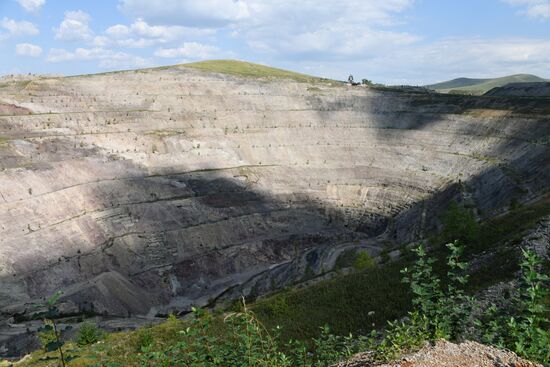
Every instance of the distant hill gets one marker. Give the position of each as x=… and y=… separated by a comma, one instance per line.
x=481, y=86
x=536, y=89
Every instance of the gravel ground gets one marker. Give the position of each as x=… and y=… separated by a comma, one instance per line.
x=446, y=354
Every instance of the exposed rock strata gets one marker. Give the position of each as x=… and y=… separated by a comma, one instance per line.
x=150, y=191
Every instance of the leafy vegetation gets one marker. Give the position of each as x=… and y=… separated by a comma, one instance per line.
x=447, y=313
x=50, y=334
x=460, y=224
x=439, y=313
x=527, y=330
x=88, y=333
x=359, y=260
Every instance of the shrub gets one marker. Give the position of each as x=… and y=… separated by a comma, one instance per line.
x=360, y=260
x=444, y=312
x=363, y=261
x=242, y=340
x=50, y=334
x=439, y=313
x=345, y=259
x=88, y=334
x=530, y=328
x=459, y=224
x=47, y=335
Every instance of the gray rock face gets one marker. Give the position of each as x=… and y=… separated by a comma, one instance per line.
x=145, y=192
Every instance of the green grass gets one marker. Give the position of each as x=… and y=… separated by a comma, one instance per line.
x=250, y=70
x=481, y=86
x=237, y=68
x=122, y=348
x=346, y=304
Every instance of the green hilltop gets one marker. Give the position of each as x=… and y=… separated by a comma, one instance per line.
x=249, y=69
x=481, y=86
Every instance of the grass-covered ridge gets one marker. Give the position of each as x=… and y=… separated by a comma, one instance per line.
x=250, y=70
x=481, y=86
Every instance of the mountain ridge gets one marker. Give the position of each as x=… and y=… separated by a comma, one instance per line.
x=482, y=85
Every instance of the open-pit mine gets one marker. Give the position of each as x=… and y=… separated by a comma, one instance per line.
x=140, y=193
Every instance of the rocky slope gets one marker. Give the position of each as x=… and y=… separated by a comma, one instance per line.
x=145, y=192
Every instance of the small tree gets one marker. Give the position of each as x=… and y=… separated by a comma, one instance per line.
x=529, y=330
x=50, y=333
x=438, y=313
x=88, y=334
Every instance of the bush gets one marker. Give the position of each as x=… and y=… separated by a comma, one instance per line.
x=88, y=334
x=360, y=260
x=434, y=315
x=440, y=311
x=345, y=259
x=445, y=312
x=526, y=329
x=363, y=261
x=47, y=335
x=459, y=224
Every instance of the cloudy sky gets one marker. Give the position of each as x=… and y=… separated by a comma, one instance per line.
x=389, y=41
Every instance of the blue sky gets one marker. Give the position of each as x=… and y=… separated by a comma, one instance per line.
x=389, y=41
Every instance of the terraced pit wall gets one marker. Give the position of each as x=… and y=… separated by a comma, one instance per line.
x=146, y=192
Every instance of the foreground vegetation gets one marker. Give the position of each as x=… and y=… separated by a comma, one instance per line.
x=442, y=310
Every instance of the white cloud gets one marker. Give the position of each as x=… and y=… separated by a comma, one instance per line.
x=108, y=59
x=28, y=49
x=312, y=29
x=17, y=28
x=305, y=13
x=442, y=60
x=338, y=41
x=204, y=13
x=140, y=34
x=31, y=5
x=190, y=51
x=75, y=27
x=533, y=8
x=333, y=31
